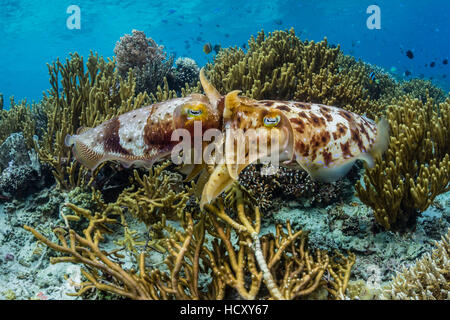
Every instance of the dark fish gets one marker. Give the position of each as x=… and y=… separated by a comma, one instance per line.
x=373, y=78
x=207, y=48
x=409, y=54
x=218, y=25
x=278, y=22
x=164, y=21
x=407, y=73
x=217, y=48
x=432, y=64
x=244, y=45
x=227, y=35
x=445, y=61
x=171, y=11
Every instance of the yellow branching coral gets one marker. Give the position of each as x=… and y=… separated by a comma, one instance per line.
x=18, y=118
x=157, y=193
x=281, y=66
x=237, y=254
x=428, y=279
x=416, y=166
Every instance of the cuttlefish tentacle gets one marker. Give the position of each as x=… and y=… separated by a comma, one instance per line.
x=324, y=141
x=143, y=136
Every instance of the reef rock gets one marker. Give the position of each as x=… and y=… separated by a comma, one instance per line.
x=21, y=172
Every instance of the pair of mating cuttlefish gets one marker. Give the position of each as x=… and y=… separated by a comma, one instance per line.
x=324, y=141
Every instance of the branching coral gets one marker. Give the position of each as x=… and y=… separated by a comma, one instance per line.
x=416, y=166
x=18, y=118
x=195, y=269
x=428, y=279
x=281, y=66
x=157, y=193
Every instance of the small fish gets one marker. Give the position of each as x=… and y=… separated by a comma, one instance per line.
x=407, y=73
x=278, y=22
x=373, y=78
x=207, y=48
x=171, y=11
x=445, y=61
x=432, y=64
x=217, y=48
x=409, y=54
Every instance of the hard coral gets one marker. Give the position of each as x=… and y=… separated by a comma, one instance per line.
x=281, y=66
x=290, y=184
x=186, y=71
x=281, y=261
x=145, y=58
x=428, y=279
x=81, y=96
x=135, y=51
x=416, y=166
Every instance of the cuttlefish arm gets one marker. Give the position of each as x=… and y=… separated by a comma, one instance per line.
x=252, y=133
x=324, y=141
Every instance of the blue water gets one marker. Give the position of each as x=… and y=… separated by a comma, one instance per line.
x=33, y=33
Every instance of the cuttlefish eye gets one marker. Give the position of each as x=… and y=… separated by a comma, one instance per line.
x=271, y=121
x=193, y=113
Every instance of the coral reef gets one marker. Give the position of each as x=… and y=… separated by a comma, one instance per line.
x=428, y=279
x=19, y=118
x=421, y=89
x=81, y=98
x=416, y=166
x=144, y=58
x=289, y=184
x=281, y=66
x=236, y=251
x=186, y=71
x=21, y=172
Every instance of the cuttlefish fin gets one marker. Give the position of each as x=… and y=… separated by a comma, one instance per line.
x=329, y=174
x=218, y=182
x=213, y=95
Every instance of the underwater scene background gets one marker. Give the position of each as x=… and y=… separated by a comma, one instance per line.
x=92, y=206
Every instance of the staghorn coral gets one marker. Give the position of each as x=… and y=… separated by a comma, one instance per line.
x=281, y=66
x=81, y=97
x=196, y=269
x=416, y=166
x=428, y=279
x=290, y=184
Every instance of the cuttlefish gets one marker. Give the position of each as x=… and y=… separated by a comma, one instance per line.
x=143, y=136
x=324, y=141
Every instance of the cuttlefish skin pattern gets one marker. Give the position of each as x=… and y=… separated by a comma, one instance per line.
x=142, y=136
x=326, y=136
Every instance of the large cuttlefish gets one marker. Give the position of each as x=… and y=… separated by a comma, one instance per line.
x=323, y=140
x=143, y=136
